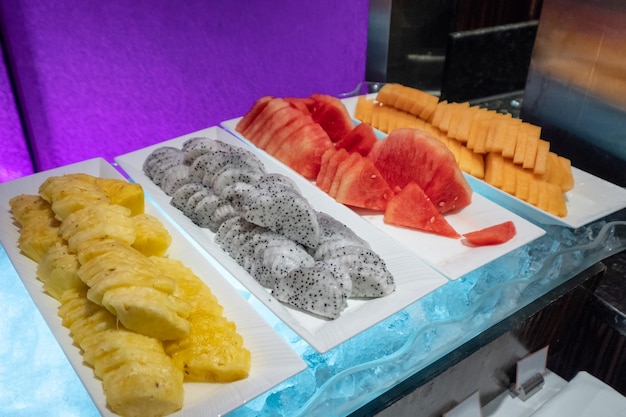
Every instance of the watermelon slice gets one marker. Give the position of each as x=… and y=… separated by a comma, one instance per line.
x=410, y=155
x=328, y=168
x=277, y=123
x=361, y=185
x=302, y=151
x=332, y=115
x=360, y=139
x=492, y=235
x=259, y=124
x=301, y=104
x=412, y=208
x=342, y=168
x=252, y=114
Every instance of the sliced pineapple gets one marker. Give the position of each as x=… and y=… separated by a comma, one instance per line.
x=57, y=269
x=124, y=193
x=152, y=238
x=213, y=351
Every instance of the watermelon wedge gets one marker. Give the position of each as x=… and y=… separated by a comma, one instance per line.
x=278, y=123
x=328, y=168
x=410, y=155
x=412, y=208
x=332, y=115
x=492, y=235
x=260, y=122
x=360, y=139
x=342, y=168
x=301, y=104
x=252, y=114
x=361, y=185
x=302, y=151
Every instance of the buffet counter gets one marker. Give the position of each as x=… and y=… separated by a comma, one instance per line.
x=422, y=340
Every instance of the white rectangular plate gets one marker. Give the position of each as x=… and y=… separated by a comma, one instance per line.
x=451, y=257
x=273, y=360
x=414, y=278
x=591, y=198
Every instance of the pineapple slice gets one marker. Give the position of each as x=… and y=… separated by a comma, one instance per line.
x=213, y=351
x=57, y=269
x=124, y=193
x=98, y=221
x=152, y=238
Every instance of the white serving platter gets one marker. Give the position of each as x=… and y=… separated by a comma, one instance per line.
x=414, y=278
x=273, y=360
x=591, y=198
x=452, y=257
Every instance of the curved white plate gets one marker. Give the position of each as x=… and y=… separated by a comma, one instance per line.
x=273, y=360
x=591, y=198
x=414, y=278
x=449, y=256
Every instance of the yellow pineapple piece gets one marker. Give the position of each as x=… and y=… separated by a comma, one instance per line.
x=57, y=269
x=213, y=351
x=149, y=311
x=98, y=221
x=124, y=193
x=71, y=192
x=152, y=239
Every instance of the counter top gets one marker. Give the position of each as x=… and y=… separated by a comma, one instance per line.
x=36, y=378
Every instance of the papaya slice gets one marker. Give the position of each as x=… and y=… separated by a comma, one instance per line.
x=412, y=208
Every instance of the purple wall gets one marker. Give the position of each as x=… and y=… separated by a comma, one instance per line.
x=105, y=78
x=14, y=157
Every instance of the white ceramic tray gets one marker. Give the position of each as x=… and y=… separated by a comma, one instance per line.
x=273, y=360
x=591, y=198
x=414, y=278
x=452, y=257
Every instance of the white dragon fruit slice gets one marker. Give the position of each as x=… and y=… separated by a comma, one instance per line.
x=174, y=178
x=190, y=205
x=236, y=193
x=279, y=178
x=281, y=209
x=212, y=211
x=196, y=146
x=367, y=270
x=158, y=170
x=278, y=261
x=315, y=289
x=222, y=161
x=181, y=196
x=234, y=233
x=157, y=156
x=232, y=176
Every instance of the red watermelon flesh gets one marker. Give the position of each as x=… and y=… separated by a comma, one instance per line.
x=303, y=150
x=288, y=131
x=301, y=104
x=330, y=161
x=251, y=115
x=332, y=115
x=412, y=208
x=253, y=131
x=278, y=121
x=411, y=155
x=360, y=139
x=492, y=235
x=361, y=185
x=343, y=167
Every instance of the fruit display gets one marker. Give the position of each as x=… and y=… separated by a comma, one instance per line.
x=304, y=257
x=141, y=320
x=505, y=152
